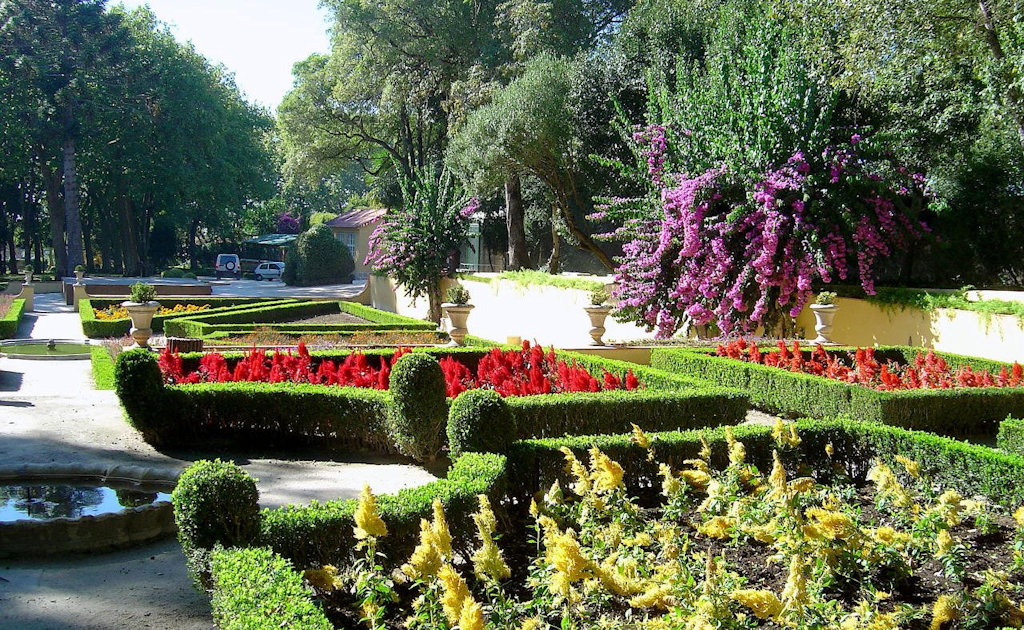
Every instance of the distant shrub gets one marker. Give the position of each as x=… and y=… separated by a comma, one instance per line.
x=420, y=409
x=316, y=257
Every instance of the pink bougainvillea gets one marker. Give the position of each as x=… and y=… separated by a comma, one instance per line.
x=741, y=252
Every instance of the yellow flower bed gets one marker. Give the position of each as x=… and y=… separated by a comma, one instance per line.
x=726, y=549
x=120, y=312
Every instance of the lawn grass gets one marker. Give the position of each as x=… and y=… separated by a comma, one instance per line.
x=102, y=368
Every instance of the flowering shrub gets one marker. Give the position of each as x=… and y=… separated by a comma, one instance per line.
x=512, y=373
x=287, y=224
x=862, y=368
x=727, y=548
x=120, y=312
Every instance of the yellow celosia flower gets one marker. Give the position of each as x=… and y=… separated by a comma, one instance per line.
x=802, y=484
x=943, y=543
x=426, y=559
x=737, y=452
x=794, y=595
x=531, y=624
x=830, y=450
x=578, y=470
x=783, y=434
x=607, y=473
x=640, y=438
x=718, y=527
x=670, y=484
x=564, y=554
x=454, y=592
x=442, y=537
x=698, y=464
x=696, y=478
x=488, y=562
x=944, y=611
x=777, y=480
x=534, y=510
x=324, y=579
x=1019, y=516
x=764, y=604
x=616, y=582
x=913, y=468
x=705, y=449
x=368, y=521
x=655, y=596
x=472, y=616
x=833, y=525
x=554, y=495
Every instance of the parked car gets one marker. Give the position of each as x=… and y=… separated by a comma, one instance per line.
x=228, y=265
x=269, y=271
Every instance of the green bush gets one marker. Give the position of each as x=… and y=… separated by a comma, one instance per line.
x=969, y=411
x=316, y=257
x=175, y=272
x=1011, y=436
x=255, y=589
x=215, y=503
x=419, y=409
x=102, y=368
x=140, y=388
x=10, y=321
x=479, y=420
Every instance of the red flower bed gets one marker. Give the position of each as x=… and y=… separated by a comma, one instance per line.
x=513, y=373
x=927, y=371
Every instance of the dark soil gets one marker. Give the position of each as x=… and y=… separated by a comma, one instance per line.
x=330, y=318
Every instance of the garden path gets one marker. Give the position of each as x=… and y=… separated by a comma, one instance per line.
x=50, y=411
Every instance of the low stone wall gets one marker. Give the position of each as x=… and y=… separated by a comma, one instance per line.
x=861, y=323
x=122, y=290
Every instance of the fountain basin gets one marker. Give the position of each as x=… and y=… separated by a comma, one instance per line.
x=46, y=349
x=48, y=509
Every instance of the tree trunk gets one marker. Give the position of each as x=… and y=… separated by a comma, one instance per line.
x=1012, y=93
x=55, y=208
x=130, y=244
x=582, y=237
x=72, y=209
x=554, y=261
x=518, y=256
x=193, y=231
x=434, y=302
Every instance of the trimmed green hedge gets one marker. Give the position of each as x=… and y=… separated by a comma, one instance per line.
x=213, y=326
x=9, y=322
x=1011, y=436
x=255, y=589
x=194, y=324
x=102, y=368
x=973, y=411
x=97, y=329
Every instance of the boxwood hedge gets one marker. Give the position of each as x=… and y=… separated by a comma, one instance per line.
x=9, y=322
x=322, y=533
x=1011, y=436
x=973, y=411
x=96, y=328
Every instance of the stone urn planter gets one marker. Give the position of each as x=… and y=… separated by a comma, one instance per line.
x=823, y=316
x=79, y=275
x=457, y=315
x=141, y=314
x=598, y=314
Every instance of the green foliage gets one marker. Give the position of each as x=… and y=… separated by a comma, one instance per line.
x=1011, y=436
x=614, y=411
x=321, y=217
x=255, y=588
x=140, y=388
x=530, y=277
x=479, y=421
x=967, y=411
x=316, y=258
x=931, y=299
x=215, y=503
x=102, y=368
x=598, y=297
x=825, y=298
x=9, y=322
x=175, y=272
x=458, y=295
x=142, y=292
x=419, y=410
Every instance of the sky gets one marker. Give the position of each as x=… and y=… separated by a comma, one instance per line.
x=258, y=40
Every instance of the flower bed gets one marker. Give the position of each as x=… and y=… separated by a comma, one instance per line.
x=862, y=367
x=119, y=312
x=785, y=385
x=905, y=550
x=96, y=328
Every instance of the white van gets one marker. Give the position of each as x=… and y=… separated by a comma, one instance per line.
x=228, y=265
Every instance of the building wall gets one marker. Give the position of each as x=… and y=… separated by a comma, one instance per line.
x=362, y=243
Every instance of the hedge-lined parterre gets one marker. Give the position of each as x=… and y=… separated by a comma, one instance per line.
x=9, y=322
x=96, y=328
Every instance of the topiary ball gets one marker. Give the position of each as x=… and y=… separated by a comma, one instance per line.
x=480, y=421
x=215, y=503
x=419, y=409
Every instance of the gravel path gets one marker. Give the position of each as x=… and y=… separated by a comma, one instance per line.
x=50, y=411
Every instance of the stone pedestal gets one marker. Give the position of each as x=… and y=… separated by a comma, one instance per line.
x=598, y=315
x=457, y=314
x=79, y=293
x=28, y=293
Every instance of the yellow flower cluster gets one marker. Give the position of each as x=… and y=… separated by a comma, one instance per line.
x=368, y=521
x=120, y=312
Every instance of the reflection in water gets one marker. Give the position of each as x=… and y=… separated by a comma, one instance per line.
x=56, y=500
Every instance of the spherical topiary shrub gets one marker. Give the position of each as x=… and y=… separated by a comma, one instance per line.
x=316, y=257
x=139, y=385
x=479, y=421
x=419, y=410
x=215, y=503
